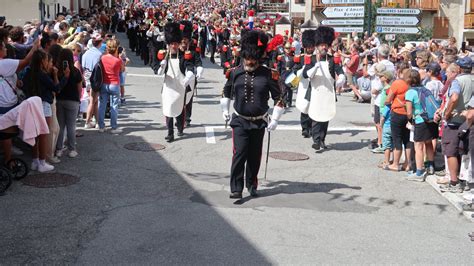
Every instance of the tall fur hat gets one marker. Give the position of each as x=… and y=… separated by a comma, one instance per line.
x=325, y=35
x=254, y=44
x=173, y=32
x=188, y=29
x=308, y=39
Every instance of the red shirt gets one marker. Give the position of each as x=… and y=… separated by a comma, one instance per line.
x=112, y=66
x=353, y=65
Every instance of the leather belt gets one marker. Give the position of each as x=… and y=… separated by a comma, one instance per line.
x=253, y=118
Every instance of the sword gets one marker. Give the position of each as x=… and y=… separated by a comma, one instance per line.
x=226, y=122
x=266, y=161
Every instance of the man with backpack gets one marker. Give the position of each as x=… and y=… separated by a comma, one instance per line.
x=89, y=60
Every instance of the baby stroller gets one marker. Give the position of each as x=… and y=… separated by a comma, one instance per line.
x=15, y=168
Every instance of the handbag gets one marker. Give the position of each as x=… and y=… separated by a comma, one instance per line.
x=18, y=92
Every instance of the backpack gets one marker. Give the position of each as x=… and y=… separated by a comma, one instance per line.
x=97, y=76
x=429, y=105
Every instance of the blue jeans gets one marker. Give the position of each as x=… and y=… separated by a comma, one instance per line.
x=113, y=92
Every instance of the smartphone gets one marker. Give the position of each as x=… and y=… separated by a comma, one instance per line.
x=65, y=64
x=79, y=29
x=463, y=47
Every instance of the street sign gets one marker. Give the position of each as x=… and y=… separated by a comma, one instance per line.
x=328, y=2
x=397, y=30
x=348, y=29
x=342, y=22
x=344, y=12
x=398, y=11
x=397, y=21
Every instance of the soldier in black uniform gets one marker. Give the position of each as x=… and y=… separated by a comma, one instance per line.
x=285, y=68
x=323, y=38
x=188, y=46
x=251, y=85
x=173, y=37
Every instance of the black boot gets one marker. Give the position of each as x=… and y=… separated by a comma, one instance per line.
x=235, y=195
x=316, y=146
x=253, y=191
x=169, y=138
x=305, y=134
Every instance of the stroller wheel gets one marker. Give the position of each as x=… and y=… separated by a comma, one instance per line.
x=5, y=179
x=18, y=168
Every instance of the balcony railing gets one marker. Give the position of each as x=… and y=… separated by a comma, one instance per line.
x=469, y=21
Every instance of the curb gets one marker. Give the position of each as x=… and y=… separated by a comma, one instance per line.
x=455, y=199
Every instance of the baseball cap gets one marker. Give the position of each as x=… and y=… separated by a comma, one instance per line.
x=464, y=62
x=379, y=68
x=433, y=67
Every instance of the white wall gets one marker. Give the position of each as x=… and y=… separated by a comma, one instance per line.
x=19, y=11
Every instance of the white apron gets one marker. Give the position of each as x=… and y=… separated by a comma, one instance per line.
x=322, y=106
x=174, y=91
x=302, y=104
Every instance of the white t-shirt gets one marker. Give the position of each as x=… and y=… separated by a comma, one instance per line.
x=8, y=69
x=435, y=86
x=376, y=83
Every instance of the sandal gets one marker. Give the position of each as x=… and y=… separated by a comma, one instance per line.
x=387, y=168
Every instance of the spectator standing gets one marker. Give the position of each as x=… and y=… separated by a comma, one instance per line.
x=111, y=87
x=90, y=58
x=68, y=101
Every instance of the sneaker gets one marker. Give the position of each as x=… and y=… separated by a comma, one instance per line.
x=101, y=130
x=89, y=125
x=468, y=207
x=45, y=167
x=72, y=154
x=34, y=166
x=116, y=131
x=450, y=188
x=430, y=170
x=54, y=160
x=417, y=178
x=441, y=173
x=97, y=126
x=467, y=187
x=468, y=197
x=379, y=149
x=16, y=151
x=59, y=153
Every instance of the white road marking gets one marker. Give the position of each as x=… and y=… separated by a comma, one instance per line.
x=210, y=139
x=142, y=75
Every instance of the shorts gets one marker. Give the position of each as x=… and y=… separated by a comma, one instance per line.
x=387, y=138
x=122, y=78
x=47, y=110
x=450, y=141
x=366, y=95
x=425, y=132
x=376, y=114
x=400, y=132
x=351, y=79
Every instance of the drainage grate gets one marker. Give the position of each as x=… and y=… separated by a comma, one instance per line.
x=50, y=180
x=288, y=156
x=143, y=146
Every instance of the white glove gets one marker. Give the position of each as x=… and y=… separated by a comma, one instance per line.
x=312, y=71
x=225, y=106
x=162, y=68
x=273, y=125
x=226, y=116
x=188, y=77
x=199, y=71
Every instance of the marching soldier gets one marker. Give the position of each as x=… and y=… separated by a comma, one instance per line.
x=188, y=46
x=322, y=72
x=178, y=69
x=251, y=85
x=285, y=68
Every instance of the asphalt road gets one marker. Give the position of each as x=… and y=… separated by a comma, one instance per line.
x=172, y=207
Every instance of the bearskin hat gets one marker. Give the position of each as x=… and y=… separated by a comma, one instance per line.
x=188, y=29
x=254, y=44
x=325, y=35
x=173, y=32
x=308, y=39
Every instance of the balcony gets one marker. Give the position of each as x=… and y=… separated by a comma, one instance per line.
x=469, y=21
x=424, y=5
x=274, y=7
